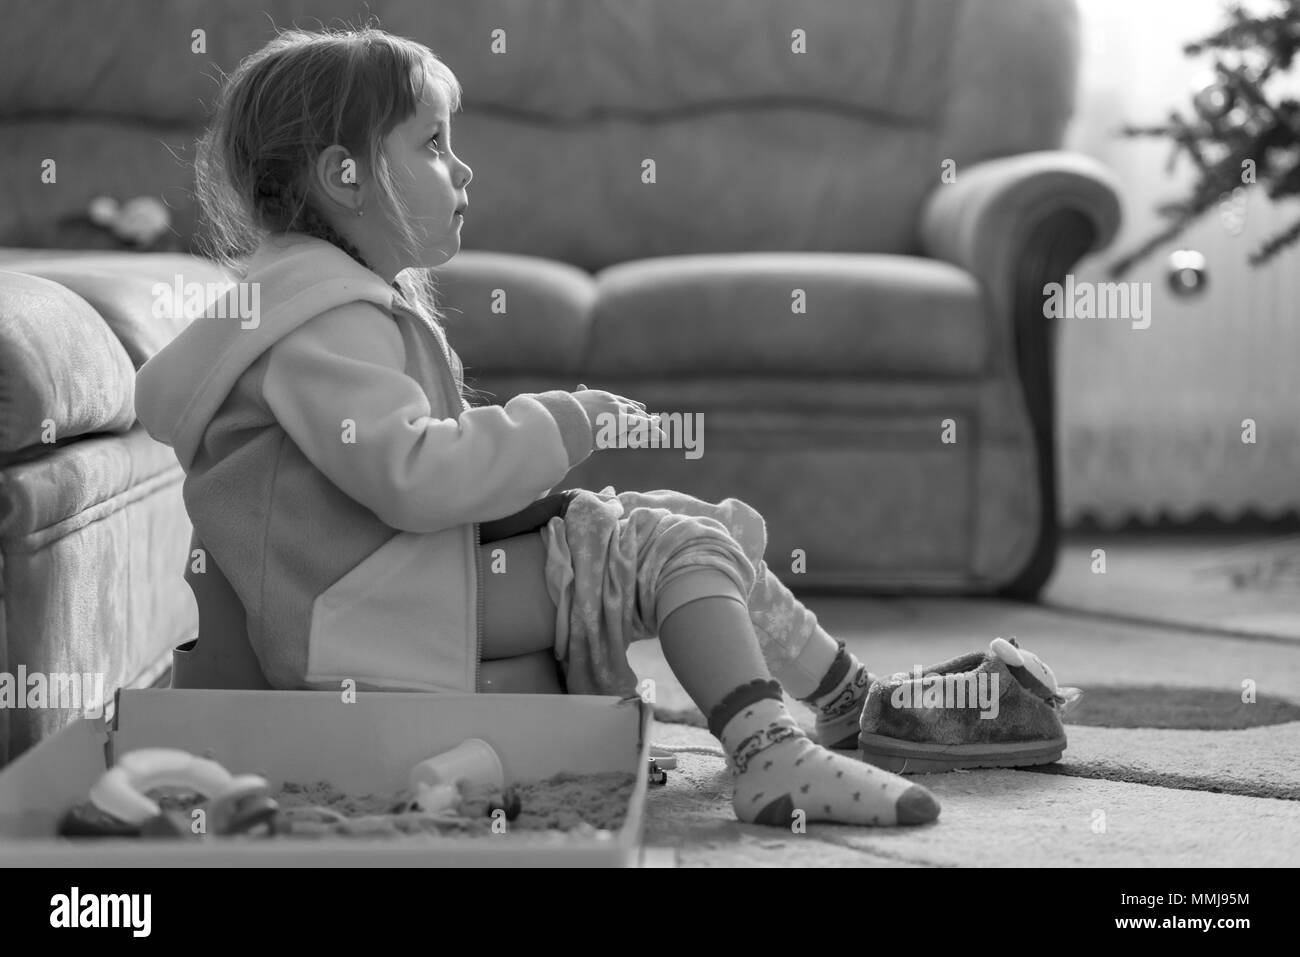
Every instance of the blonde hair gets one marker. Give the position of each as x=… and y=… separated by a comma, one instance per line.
x=280, y=109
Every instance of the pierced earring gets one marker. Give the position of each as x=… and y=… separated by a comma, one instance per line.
x=361, y=212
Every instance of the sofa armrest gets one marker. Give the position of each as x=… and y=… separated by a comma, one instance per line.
x=1016, y=224
x=984, y=221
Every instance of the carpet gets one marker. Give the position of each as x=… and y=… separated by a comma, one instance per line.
x=994, y=818
x=1166, y=764
x=1172, y=735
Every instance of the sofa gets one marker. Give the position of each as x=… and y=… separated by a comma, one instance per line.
x=823, y=228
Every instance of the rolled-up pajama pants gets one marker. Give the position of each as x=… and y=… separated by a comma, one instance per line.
x=617, y=564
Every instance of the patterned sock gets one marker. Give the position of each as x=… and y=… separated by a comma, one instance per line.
x=838, y=700
x=779, y=771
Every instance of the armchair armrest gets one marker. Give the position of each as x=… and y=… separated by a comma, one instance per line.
x=1018, y=223
x=984, y=221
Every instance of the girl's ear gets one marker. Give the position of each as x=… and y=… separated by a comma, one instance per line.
x=339, y=176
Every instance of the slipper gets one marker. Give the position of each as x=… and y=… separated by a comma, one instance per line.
x=996, y=709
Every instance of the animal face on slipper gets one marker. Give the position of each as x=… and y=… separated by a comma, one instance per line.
x=1032, y=672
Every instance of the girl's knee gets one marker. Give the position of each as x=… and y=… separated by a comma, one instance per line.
x=694, y=583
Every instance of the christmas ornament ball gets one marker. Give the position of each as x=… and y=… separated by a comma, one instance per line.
x=1211, y=97
x=1187, y=273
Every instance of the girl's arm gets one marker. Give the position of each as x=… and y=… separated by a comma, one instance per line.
x=415, y=472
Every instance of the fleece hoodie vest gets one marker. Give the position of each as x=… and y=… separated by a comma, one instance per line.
x=330, y=591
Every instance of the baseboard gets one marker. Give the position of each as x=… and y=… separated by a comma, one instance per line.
x=1247, y=523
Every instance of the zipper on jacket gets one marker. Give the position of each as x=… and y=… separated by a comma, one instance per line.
x=481, y=604
x=480, y=601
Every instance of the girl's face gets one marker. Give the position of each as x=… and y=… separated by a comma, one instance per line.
x=430, y=178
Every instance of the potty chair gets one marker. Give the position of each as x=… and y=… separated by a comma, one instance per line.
x=222, y=656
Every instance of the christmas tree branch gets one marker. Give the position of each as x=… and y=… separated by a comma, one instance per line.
x=1276, y=245
x=1238, y=135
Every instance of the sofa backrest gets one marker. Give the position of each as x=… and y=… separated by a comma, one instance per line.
x=755, y=145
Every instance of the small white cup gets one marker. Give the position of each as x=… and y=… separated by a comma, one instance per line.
x=473, y=761
x=439, y=797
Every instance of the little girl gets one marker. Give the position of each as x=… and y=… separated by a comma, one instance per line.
x=337, y=475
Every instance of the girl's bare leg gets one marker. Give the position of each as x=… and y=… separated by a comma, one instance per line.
x=712, y=648
x=519, y=617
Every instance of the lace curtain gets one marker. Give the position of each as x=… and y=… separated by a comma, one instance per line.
x=1151, y=420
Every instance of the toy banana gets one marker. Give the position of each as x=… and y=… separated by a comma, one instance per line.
x=120, y=791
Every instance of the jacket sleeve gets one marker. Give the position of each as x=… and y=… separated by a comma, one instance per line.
x=338, y=388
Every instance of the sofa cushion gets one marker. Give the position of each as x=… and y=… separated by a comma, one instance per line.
x=102, y=590
x=866, y=315
x=59, y=364
x=49, y=495
x=513, y=313
x=121, y=287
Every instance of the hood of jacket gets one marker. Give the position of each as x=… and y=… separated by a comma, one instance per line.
x=289, y=279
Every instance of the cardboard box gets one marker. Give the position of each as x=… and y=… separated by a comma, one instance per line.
x=367, y=746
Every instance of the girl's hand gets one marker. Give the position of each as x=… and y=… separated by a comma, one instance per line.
x=596, y=402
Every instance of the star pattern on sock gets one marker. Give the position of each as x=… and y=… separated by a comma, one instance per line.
x=832, y=787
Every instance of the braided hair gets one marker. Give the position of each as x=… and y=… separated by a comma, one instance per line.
x=313, y=223
x=285, y=206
